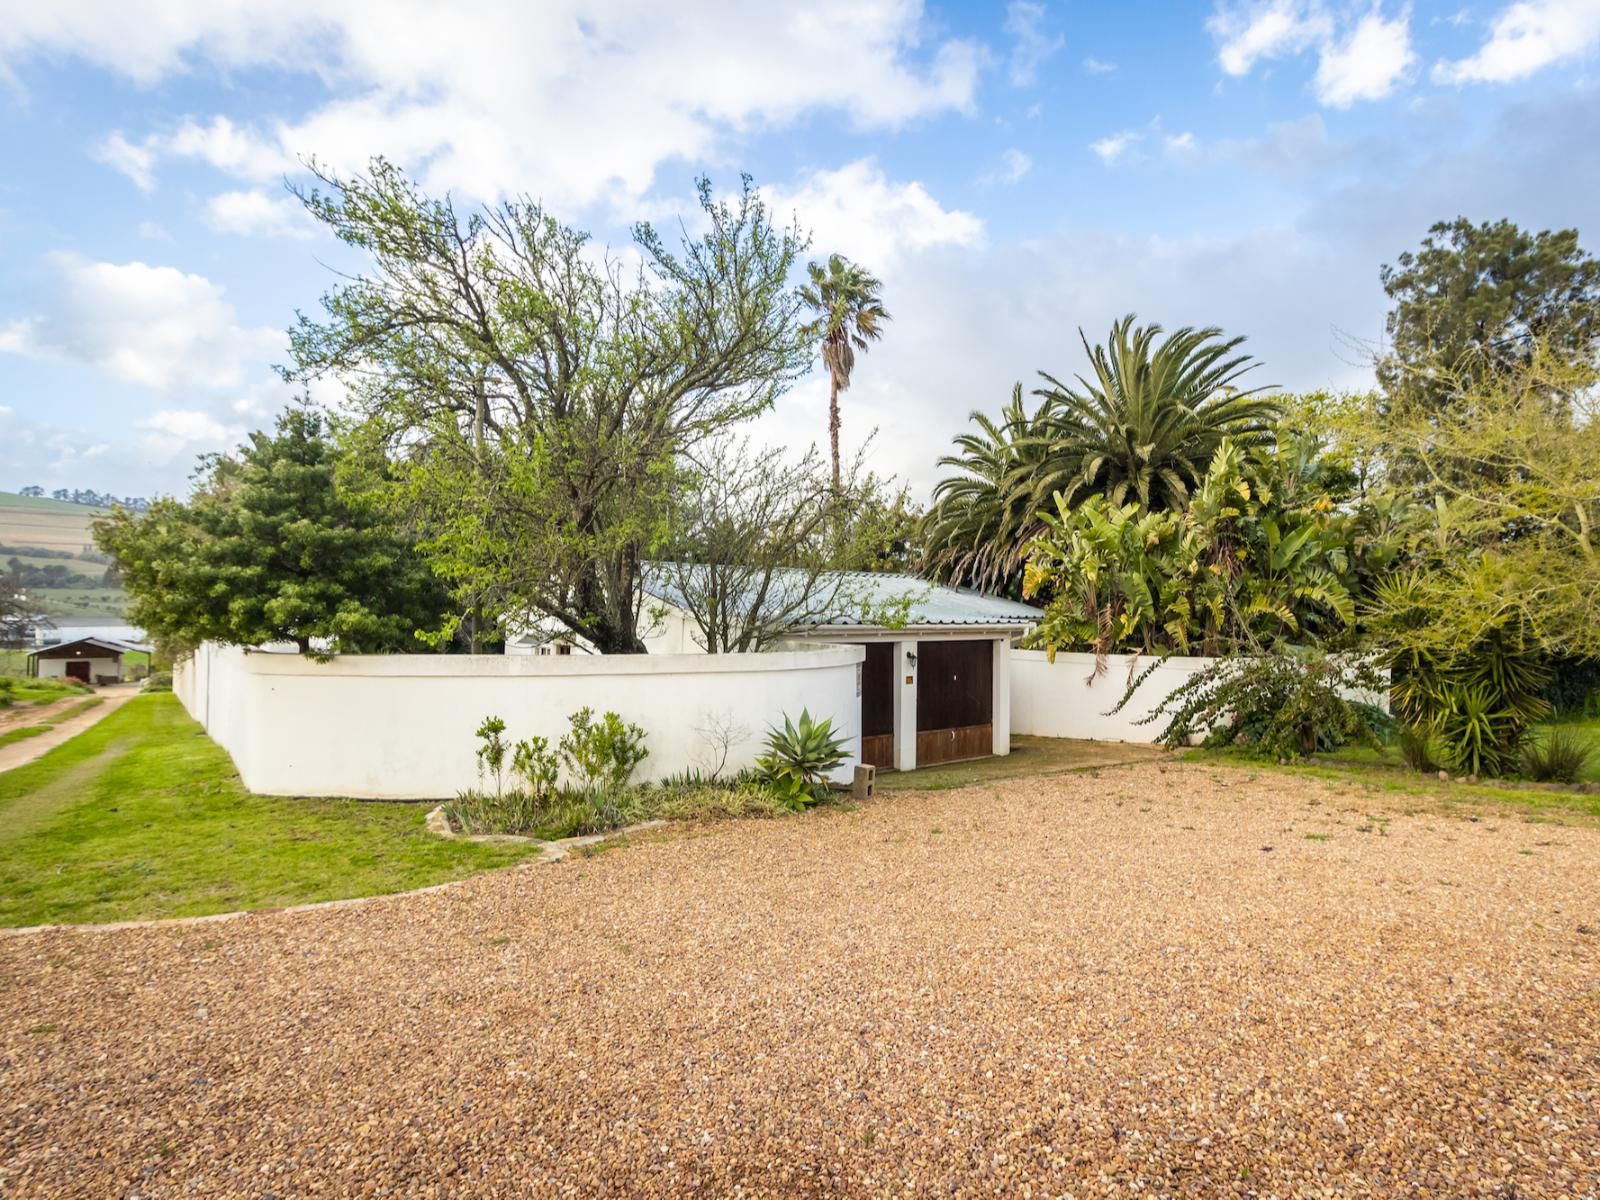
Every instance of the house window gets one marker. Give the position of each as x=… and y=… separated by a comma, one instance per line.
x=563, y=648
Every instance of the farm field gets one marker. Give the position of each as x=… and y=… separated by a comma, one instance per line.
x=52, y=529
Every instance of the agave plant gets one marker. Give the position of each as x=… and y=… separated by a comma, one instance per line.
x=798, y=759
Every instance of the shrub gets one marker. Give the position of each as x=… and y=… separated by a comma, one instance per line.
x=705, y=802
x=1416, y=749
x=602, y=756
x=158, y=681
x=1290, y=703
x=1478, y=696
x=7, y=692
x=518, y=811
x=535, y=764
x=1561, y=758
x=798, y=759
x=491, y=751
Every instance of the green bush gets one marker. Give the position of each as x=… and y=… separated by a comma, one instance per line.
x=712, y=801
x=518, y=811
x=1290, y=703
x=1560, y=758
x=1416, y=749
x=602, y=756
x=798, y=759
x=158, y=681
x=1477, y=698
x=7, y=692
x=491, y=752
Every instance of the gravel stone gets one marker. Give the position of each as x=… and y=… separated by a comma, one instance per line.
x=1086, y=985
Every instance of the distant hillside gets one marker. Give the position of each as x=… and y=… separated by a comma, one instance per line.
x=60, y=530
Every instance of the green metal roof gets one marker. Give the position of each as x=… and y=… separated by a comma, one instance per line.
x=928, y=603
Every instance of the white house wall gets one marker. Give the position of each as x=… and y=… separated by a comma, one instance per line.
x=402, y=726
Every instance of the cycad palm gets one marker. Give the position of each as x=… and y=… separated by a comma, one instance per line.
x=1146, y=422
x=850, y=315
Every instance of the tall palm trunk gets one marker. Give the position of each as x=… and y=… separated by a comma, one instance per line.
x=833, y=426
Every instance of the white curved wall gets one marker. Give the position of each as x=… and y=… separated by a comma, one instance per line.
x=401, y=726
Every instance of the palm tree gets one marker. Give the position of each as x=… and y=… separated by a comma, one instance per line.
x=850, y=314
x=983, y=517
x=1151, y=416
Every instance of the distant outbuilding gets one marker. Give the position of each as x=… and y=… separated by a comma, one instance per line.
x=88, y=659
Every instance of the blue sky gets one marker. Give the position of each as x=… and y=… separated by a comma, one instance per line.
x=1012, y=171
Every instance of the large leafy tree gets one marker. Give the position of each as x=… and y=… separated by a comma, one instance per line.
x=849, y=317
x=1501, y=572
x=270, y=549
x=540, y=394
x=1474, y=300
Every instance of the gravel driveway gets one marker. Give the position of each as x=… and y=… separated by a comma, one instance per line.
x=1149, y=982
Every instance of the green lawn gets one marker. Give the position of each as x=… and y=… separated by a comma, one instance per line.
x=143, y=816
x=36, y=690
x=1383, y=771
x=17, y=733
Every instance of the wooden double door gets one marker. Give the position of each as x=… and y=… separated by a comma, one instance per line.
x=955, y=702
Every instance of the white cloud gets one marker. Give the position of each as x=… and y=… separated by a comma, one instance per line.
x=1360, y=61
x=136, y=162
x=1031, y=44
x=579, y=100
x=1263, y=30
x=1096, y=66
x=1526, y=37
x=1014, y=166
x=859, y=212
x=258, y=214
x=154, y=326
x=174, y=432
x=1114, y=146
x=219, y=142
x=1181, y=144
x=1368, y=63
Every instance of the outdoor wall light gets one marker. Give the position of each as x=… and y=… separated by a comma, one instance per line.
x=911, y=657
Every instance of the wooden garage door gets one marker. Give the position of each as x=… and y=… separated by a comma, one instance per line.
x=955, y=700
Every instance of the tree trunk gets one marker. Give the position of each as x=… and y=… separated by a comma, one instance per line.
x=833, y=426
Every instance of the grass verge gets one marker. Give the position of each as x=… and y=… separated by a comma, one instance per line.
x=28, y=731
x=143, y=816
x=35, y=690
x=1370, y=772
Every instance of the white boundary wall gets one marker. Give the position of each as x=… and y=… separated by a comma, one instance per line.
x=402, y=726
x=1066, y=699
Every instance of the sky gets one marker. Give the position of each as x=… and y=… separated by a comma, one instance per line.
x=1014, y=172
